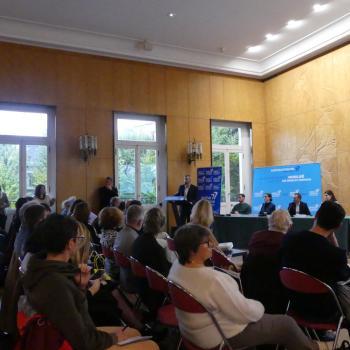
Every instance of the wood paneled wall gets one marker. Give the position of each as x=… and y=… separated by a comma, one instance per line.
x=86, y=90
x=308, y=119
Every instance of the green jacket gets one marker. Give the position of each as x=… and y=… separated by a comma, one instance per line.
x=51, y=291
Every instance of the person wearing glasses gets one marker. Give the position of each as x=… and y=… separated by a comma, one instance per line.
x=267, y=207
x=242, y=320
x=55, y=288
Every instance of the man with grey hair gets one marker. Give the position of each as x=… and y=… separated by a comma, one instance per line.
x=260, y=270
x=133, y=224
x=124, y=241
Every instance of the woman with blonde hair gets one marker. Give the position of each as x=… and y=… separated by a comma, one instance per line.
x=202, y=214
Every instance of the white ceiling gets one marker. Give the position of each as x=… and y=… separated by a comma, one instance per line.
x=193, y=38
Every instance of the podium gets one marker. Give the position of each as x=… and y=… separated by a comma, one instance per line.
x=175, y=201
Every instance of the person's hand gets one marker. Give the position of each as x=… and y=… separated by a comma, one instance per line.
x=82, y=278
x=95, y=287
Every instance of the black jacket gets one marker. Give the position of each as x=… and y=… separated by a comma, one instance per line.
x=106, y=194
x=314, y=254
x=267, y=208
x=192, y=194
x=303, y=209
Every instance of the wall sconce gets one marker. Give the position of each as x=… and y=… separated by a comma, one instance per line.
x=87, y=146
x=194, y=151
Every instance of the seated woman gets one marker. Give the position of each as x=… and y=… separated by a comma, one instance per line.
x=260, y=270
x=147, y=250
x=202, y=214
x=242, y=320
x=110, y=220
x=40, y=196
x=55, y=288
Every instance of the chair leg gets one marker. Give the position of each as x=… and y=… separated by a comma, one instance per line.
x=315, y=334
x=307, y=332
x=337, y=333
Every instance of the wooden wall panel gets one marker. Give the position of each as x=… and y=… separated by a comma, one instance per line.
x=87, y=89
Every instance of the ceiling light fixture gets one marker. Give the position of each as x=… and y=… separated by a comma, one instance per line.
x=254, y=49
x=171, y=14
x=320, y=7
x=293, y=24
x=271, y=37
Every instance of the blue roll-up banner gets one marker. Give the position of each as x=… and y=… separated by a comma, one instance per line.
x=283, y=181
x=209, y=186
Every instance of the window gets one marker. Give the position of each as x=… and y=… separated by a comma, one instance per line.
x=231, y=149
x=140, y=161
x=26, y=150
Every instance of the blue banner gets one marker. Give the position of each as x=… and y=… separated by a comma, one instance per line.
x=209, y=186
x=283, y=181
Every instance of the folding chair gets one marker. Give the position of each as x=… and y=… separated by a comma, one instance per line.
x=219, y=259
x=166, y=313
x=137, y=268
x=185, y=301
x=301, y=282
x=235, y=275
x=121, y=259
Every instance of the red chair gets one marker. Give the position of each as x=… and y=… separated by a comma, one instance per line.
x=166, y=313
x=107, y=252
x=171, y=244
x=301, y=282
x=120, y=259
x=137, y=268
x=185, y=301
x=219, y=259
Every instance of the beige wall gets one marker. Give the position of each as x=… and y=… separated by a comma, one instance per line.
x=86, y=89
x=308, y=119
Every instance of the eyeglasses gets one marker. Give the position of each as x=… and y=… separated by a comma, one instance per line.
x=207, y=243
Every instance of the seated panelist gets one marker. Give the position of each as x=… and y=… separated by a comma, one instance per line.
x=267, y=207
x=241, y=207
x=298, y=207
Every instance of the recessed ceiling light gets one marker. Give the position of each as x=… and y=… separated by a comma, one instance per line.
x=271, y=37
x=254, y=49
x=171, y=14
x=292, y=24
x=320, y=7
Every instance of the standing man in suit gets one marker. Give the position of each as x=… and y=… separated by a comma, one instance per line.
x=190, y=192
x=297, y=206
x=267, y=207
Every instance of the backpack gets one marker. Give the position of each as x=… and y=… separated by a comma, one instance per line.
x=40, y=334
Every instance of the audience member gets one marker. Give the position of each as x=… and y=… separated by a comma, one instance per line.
x=110, y=221
x=149, y=253
x=66, y=204
x=81, y=213
x=329, y=196
x=40, y=196
x=125, y=239
x=267, y=207
x=260, y=270
x=106, y=192
x=202, y=214
x=297, y=206
x=242, y=320
x=241, y=207
x=316, y=252
x=54, y=287
x=4, y=203
x=32, y=216
x=132, y=202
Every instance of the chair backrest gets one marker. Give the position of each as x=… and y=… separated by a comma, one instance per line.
x=120, y=259
x=137, y=268
x=171, y=244
x=107, y=252
x=220, y=260
x=185, y=301
x=301, y=282
x=156, y=280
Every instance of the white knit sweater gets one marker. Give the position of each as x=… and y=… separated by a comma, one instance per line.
x=219, y=293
